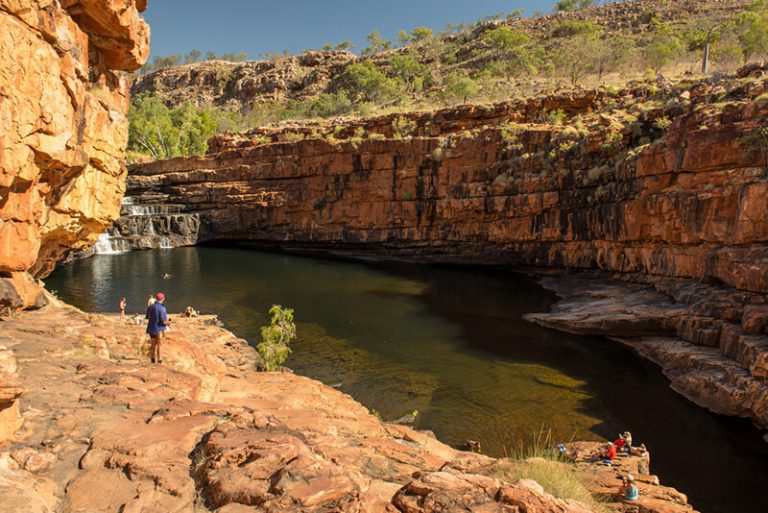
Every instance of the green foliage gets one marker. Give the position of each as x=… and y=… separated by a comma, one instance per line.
x=662, y=123
x=411, y=72
x=662, y=49
x=461, y=87
x=169, y=61
x=570, y=27
x=371, y=83
x=751, y=31
x=376, y=43
x=573, y=5
x=277, y=337
x=420, y=34
x=556, y=116
x=403, y=127
x=164, y=133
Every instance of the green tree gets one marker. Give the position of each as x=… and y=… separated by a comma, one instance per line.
x=410, y=71
x=403, y=37
x=573, y=5
x=345, y=46
x=751, y=30
x=371, y=83
x=161, y=132
x=610, y=55
x=662, y=49
x=376, y=43
x=277, y=337
x=461, y=86
x=421, y=34
x=511, y=44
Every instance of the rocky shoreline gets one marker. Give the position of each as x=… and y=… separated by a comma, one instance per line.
x=105, y=431
x=708, y=341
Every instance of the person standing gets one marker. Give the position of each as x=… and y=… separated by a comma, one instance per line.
x=150, y=300
x=157, y=324
x=122, y=308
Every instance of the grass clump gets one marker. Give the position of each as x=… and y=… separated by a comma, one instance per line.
x=540, y=461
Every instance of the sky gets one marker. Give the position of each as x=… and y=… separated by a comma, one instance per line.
x=260, y=26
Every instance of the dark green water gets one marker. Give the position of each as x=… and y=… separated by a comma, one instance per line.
x=450, y=343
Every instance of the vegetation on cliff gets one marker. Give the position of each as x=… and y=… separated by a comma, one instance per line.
x=497, y=59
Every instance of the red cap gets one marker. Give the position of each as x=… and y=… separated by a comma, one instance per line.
x=160, y=297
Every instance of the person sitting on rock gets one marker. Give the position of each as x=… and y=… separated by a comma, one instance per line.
x=642, y=450
x=627, y=437
x=190, y=312
x=608, y=454
x=158, y=323
x=629, y=490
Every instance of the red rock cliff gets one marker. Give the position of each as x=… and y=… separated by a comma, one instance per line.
x=496, y=186
x=63, y=128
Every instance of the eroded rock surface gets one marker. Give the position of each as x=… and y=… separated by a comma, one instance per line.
x=105, y=431
x=62, y=112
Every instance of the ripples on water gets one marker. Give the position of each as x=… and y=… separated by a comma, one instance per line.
x=450, y=343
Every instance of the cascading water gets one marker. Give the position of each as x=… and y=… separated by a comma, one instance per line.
x=107, y=245
x=149, y=225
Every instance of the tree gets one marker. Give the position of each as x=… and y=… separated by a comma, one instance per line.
x=371, y=82
x=376, y=43
x=161, y=132
x=607, y=57
x=210, y=56
x=345, y=46
x=701, y=38
x=421, y=33
x=192, y=56
x=573, y=5
x=403, y=37
x=751, y=30
x=511, y=44
x=412, y=73
x=661, y=49
x=461, y=86
x=277, y=337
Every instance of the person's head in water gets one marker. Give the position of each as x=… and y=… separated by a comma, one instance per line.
x=160, y=297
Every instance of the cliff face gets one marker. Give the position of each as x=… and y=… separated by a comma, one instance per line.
x=690, y=204
x=62, y=112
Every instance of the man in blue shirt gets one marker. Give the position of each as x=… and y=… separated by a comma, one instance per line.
x=157, y=323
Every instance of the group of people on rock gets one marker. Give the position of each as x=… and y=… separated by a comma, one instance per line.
x=623, y=445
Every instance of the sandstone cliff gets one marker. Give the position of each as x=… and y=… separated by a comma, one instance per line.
x=663, y=185
x=62, y=143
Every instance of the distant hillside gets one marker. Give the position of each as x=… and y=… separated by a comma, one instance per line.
x=492, y=60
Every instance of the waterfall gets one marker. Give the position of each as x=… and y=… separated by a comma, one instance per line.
x=107, y=245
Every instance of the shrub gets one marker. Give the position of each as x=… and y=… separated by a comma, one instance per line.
x=276, y=338
x=556, y=116
x=403, y=127
x=662, y=123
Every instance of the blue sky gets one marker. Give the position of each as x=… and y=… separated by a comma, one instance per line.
x=257, y=26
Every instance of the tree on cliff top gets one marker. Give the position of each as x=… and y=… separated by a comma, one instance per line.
x=163, y=133
x=277, y=337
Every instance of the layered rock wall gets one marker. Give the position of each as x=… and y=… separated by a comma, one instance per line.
x=690, y=204
x=63, y=128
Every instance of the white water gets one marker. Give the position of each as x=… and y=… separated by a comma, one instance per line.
x=106, y=245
